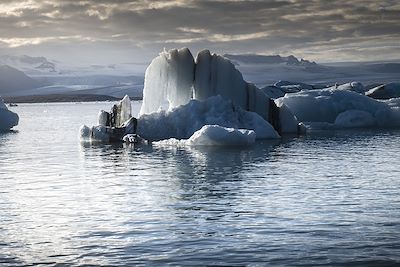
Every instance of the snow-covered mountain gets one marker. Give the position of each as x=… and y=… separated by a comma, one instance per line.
x=13, y=81
x=275, y=59
x=29, y=65
x=266, y=70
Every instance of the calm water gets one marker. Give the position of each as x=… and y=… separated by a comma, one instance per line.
x=327, y=199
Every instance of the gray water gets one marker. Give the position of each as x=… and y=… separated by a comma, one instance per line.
x=325, y=199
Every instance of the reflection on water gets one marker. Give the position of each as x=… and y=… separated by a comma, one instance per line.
x=326, y=199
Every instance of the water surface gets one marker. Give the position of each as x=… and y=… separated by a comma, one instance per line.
x=325, y=199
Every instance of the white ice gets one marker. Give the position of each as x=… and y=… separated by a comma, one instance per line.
x=337, y=108
x=168, y=81
x=173, y=78
x=183, y=121
x=214, y=135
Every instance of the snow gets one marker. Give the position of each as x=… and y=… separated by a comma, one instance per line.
x=8, y=119
x=183, y=121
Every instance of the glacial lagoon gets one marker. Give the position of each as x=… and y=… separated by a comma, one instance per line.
x=328, y=198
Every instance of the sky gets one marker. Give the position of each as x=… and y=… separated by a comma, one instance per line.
x=117, y=31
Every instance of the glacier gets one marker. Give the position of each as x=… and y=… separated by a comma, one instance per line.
x=8, y=119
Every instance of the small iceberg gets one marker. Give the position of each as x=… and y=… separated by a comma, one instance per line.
x=8, y=119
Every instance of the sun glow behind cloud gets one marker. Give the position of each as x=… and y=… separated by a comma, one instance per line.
x=144, y=27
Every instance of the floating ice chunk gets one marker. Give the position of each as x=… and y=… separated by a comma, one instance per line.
x=84, y=133
x=353, y=86
x=8, y=119
x=183, y=121
x=326, y=104
x=215, y=135
x=97, y=133
x=385, y=91
x=168, y=81
x=340, y=109
x=292, y=87
x=100, y=133
x=355, y=119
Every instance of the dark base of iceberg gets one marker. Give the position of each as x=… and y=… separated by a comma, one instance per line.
x=8, y=119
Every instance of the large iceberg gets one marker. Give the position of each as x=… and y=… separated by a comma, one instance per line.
x=8, y=119
x=174, y=78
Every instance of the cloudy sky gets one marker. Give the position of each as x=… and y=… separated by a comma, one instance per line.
x=115, y=31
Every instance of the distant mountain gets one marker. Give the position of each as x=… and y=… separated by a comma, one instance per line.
x=28, y=64
x=13, y=80
x=385, y=67
x=275, y=59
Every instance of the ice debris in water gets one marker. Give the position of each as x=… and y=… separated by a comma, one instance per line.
x=214, y=135
x=112, y=126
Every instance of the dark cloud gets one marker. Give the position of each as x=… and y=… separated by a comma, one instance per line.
x=316, y=29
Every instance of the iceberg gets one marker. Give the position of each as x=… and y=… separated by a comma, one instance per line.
x=174, y=78
x=182, y=122
x=182, y=95
x=8, y=119
x=385, y=91
x=338, y=108
x=113, y=125
x=215, y=135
